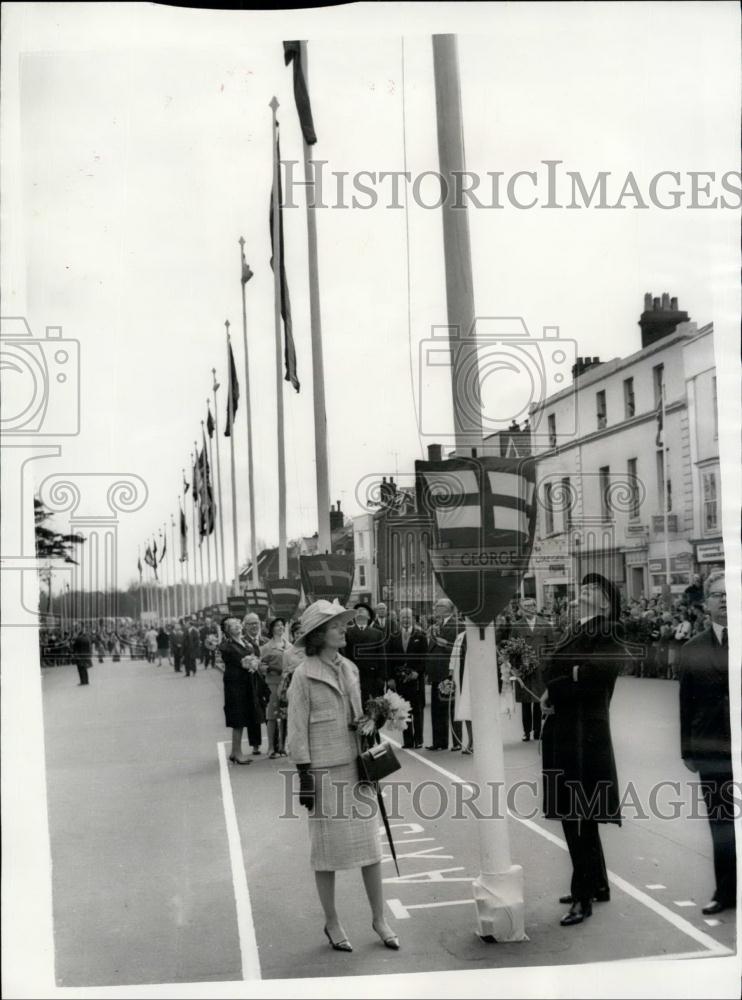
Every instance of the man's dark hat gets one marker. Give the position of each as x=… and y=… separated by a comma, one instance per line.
x=366, y=607
x=610, y=590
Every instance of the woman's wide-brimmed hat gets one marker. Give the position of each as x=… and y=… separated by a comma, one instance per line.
x=320, y=613
x=609, y=589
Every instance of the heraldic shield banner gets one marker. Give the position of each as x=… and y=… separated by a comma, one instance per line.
x=284, y=596
x=484, y=511
x=327, y=577
x=257, y=602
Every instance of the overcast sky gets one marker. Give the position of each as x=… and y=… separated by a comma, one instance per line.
x=146, y=153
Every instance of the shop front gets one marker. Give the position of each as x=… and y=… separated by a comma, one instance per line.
x=708, y=556
x=681, y=569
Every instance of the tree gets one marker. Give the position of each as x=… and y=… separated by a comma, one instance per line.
x=52, y=544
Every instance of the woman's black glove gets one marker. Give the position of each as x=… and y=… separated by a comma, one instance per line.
x=306, y=786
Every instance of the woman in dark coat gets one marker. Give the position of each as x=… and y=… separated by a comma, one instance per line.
x=242, y=706
x=580, y=781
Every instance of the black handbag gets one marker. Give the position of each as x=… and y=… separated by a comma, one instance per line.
x=378, y=762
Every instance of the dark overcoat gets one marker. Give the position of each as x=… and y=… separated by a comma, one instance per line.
x=705, y=730
x=412, y=659
x=367, y=649
x=440, y=645
x=580, y=780
x=241, y=694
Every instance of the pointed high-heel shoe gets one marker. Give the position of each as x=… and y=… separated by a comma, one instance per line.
x=343, y=945
x=234, y=760
x=392, y=941
x=575, y=915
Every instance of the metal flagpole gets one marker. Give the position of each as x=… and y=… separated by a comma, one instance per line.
x=206, y=524
x=202, y=599
x=248, y=419
x=324, y=541
x=187, y=597
x=139, y=567
x=196, y=591
x=282, y=555
x=176, y=609
x=668, y=588
x=223, y=580
x=498, y=891
x=235, y=550
x=166, y=580
x=216, y=595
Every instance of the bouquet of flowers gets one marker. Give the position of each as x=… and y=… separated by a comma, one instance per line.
x=386, y=710
x=406, y=675
x=520, y=655
x=446, y=689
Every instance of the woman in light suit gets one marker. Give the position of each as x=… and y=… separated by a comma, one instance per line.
x=324, y=705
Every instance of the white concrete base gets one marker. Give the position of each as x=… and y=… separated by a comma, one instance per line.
x=500, y=907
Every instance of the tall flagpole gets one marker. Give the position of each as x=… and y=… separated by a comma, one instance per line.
x=219, y=508
x=667, y=600
x=282, y=555
x=196, y=590
x=176, y=609
x=167, y=574
x=245, y=273
x=318, y=365
x=139, y=563
x=211, y=514
x=187, y=599
x=201, y=591
x=235, y=550
x=216, y=597
x=498, y=891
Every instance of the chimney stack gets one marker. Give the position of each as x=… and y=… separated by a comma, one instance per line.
x=662, y=319
x=435, y=453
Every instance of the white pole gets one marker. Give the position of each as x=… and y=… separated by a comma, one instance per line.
x=668, y=589
x=196, y=589
x=176, y=609
x=235, y=549
x=201, y=591
x=188, y=598
x=220, y=506
x=282, y=556
x=207, y=463
x=248, y=420
x=324, y=542
x=498, y=891
x=216, y=595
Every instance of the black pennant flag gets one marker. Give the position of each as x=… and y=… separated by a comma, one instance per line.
x=289, y=352
x=292, y=53
x=233, y=397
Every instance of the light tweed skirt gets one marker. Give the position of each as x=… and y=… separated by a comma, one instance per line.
x=344, y=827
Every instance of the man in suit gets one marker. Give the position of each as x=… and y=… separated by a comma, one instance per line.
x=705, y=735
x=177, y=640
x=81, y=651
x=191, y=647
x=441, y=637
x=382, y=620
x=406, y=652
x=538, y=634
x=365, y=646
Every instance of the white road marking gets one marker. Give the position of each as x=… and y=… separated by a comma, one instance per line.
x=401, y=911
x=655, y=885
x=712, y=946
x=711, y=922
x=684, y=902
x=245, y=925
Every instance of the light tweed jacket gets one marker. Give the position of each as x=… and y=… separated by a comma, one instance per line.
x=317, y=721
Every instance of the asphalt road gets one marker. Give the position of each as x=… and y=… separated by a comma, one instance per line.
x=170, y=865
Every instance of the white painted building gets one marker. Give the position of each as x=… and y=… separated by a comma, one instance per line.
x=600, y=470
x=365, y=587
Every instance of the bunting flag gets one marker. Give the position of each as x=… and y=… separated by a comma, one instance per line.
x=206, y=507
x=257, y=602
x=196, y=479
x=186, y=485
x=284, y=597
x=289, y=351
x=233, y=395
x=246, y=272
x=328, y=577
x=151, y=560
x=183, y=537
x=209, y=422
x=292, y=53
x=484, y=517
x=164, y=549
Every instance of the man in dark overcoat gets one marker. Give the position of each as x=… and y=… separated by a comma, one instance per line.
x=538, y=634
x=441, y=637
x=82, y=649
x=406, y=651
x=365, y=646
x=580, y=780
x=705, y=736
